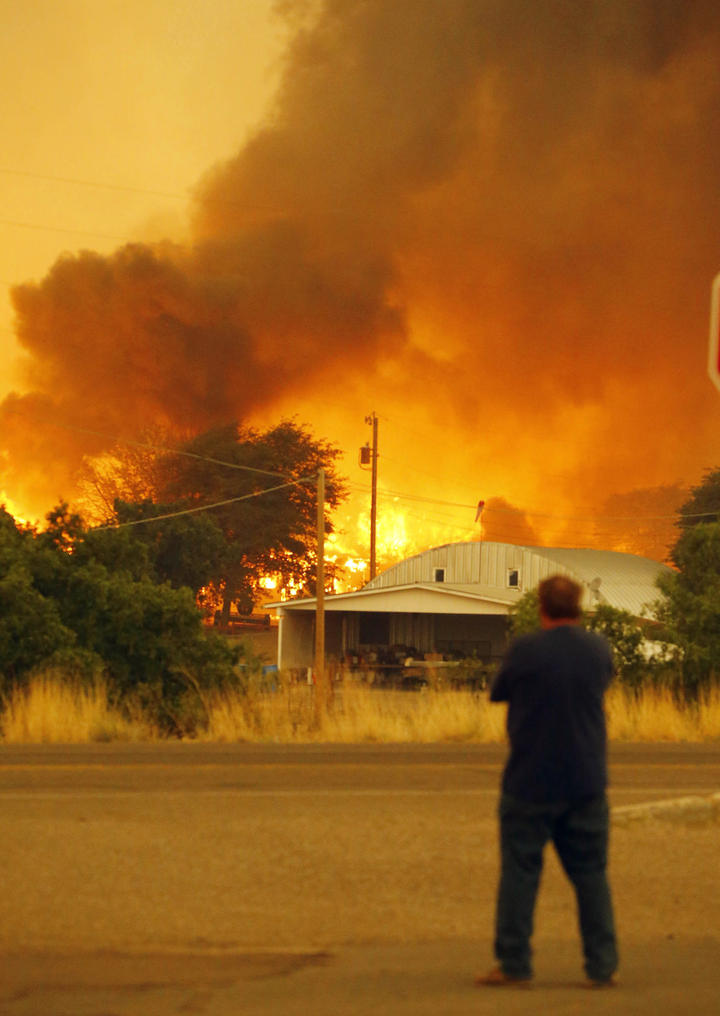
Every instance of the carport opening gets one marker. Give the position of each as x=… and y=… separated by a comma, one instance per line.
x=374, y=629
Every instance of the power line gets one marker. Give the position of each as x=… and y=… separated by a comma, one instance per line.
x=94, y=183
x=204, y=507
x=528, y=512
x=186, y=454
x=63, y=229
x=161, y=448
x=413, y=469
x=247, y=205
x=517, y=514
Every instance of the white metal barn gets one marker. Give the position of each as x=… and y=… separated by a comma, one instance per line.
x=454, y=600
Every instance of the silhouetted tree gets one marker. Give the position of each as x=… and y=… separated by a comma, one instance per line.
x=703, y=505
x=690, y=611
x=263, y=484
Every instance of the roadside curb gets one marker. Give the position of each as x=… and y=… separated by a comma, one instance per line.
x=689, y=810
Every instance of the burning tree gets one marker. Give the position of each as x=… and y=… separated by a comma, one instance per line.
x=253, y=500
x=264, y=486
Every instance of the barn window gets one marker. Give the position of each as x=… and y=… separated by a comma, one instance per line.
x=514, y=578
x=439, y=574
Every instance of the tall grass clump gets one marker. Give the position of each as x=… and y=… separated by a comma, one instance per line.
x=422, y=717
x=355, y=714
x=51, y=709
x=57, y=708
x=709, y=714
x=358, y=713
x=659, y=714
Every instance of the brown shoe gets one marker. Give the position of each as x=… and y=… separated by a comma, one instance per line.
x=594, y=984
x=497, y=978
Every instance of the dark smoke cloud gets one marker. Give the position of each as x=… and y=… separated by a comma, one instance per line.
x=504, y=523
x=512, y=204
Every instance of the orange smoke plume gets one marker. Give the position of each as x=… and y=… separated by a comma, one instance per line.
x=497, y=220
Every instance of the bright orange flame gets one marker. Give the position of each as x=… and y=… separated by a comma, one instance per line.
x=12, y=508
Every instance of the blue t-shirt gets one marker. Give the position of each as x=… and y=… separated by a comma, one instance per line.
x=554, y=682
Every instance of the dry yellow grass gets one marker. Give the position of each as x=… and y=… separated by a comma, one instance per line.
x=51, y=710
x=359, y=714
x=654, y=715
x=709, y=718
x=356, y=714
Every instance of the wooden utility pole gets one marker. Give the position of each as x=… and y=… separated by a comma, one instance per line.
x=373, y=421
x=714, y=350
x=320, y=599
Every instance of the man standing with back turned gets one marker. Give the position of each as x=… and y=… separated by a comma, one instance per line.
x=554, y=784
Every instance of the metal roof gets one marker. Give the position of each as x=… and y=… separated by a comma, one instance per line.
x=418, y=598
x=621, y=580
x=476, y=580
x=626, y=580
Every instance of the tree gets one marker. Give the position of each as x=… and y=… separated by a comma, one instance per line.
x=263, y=484
x=12, y=541
x=690, y=610
x=150, y=638
x=259, y=488
x=525, y=614
x=626, y=637
x=61, y=602
x=703, y=505
x=185, y=550
x=128, y=472
x=619, y=627
x=31, y=630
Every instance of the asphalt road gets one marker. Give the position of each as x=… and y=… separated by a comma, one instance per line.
x=262, y=879
x=637, y=770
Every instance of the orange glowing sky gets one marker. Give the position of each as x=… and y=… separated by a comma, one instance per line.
x=138, y=97
x=494, y=227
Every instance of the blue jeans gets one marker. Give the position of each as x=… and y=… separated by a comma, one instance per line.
x=579, y=832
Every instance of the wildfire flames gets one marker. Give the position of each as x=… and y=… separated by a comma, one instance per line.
x=495, y=223
x=13, y=509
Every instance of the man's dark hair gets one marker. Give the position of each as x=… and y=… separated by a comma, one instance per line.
x=560, y=598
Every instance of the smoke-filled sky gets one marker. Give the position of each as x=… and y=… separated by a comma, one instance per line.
x=492, y=222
